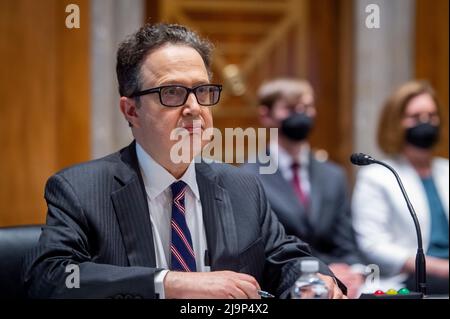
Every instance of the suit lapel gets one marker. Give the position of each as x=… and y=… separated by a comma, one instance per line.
x=284, y=192
x=132, y=212
x=316, y=218
x=219, y=220
x=284, y=200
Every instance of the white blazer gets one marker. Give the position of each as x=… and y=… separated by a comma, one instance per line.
x=384, y=228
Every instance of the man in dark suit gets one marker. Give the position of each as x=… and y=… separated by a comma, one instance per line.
x=308, y=195
x=142, y=223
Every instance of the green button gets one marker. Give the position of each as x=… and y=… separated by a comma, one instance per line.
x=404, y=291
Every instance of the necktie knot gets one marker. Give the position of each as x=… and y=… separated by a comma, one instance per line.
x=177, y=188
x=295, y=166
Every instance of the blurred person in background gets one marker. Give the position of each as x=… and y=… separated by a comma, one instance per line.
x=309, y=196
x=408, y=130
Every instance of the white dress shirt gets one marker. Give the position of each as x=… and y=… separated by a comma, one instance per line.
x=285, y=161
x=157, y=181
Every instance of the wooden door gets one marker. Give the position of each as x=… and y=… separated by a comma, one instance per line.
x=44, y=114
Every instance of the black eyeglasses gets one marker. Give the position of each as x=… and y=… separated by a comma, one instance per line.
x=176, y=95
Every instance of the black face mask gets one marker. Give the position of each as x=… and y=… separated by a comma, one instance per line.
x=297, y=126
x=423, y=135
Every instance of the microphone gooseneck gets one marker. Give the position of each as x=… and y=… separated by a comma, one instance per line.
x=363, y=159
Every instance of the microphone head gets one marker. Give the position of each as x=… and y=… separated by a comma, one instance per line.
x=361, y=159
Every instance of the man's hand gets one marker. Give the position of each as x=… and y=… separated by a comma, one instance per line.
x=334, y=292
x=353, y=281
x=216, y=284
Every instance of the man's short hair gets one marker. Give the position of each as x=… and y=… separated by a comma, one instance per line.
x=273, y=90
x=391, y=134
x=133, y=50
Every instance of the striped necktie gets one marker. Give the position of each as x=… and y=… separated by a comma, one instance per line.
x=182, y=252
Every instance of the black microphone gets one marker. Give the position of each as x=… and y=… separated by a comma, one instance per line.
x=420, y=271
x=361, y=159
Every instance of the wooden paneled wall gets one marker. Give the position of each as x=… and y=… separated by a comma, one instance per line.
x=432, y=56
x=44, y=114
x=330, y=70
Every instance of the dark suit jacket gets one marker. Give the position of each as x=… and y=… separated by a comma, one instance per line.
x=98, y=218
x=326, y=226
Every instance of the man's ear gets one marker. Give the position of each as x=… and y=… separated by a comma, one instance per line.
x=265, y=117
x=128, y=108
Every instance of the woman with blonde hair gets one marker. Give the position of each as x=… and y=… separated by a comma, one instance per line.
x=409, y=128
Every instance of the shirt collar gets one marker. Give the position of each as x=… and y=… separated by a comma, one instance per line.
x=284, y=160
x=157, y=179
